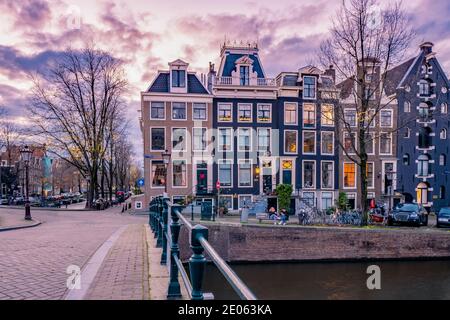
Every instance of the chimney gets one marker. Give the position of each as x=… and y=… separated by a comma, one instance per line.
x=427, y=47
x=331, y=72
x=211, y=76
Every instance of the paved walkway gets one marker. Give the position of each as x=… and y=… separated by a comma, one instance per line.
x=16, y=220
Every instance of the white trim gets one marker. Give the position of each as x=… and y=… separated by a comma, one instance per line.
x=258, y=135
x=303, y=142
x=356, y=143
x=284, y=141
x=165, y=139
x=171, y=111
x=372, y=140
x=250, y=129
x=343, y=176
x=206, y=111
x=390, y=145
x=322, y=115
x=226, y=196
x=221, y=162
x=303, y=87
x=185, y=142
x=193, y=139
x=244, y=195
x=321, y=198
x=164, y=108
x=373, y=175
x=293, y=170
x=231, y=139
x=356, y=120
x=391, y=122
x=303, y=115
x=400, y=85
x=251, y=112
x=314, y=177
x=219, y=104
x=296, y=113
x=257, y=109
x=161, y=161
x=354, y=197
x=239, y=173
x=321, y=143
x=332, y=183
x=186, y=173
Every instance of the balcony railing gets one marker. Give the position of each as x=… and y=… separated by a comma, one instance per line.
x=236, y=81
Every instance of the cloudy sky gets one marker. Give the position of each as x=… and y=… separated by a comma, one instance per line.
x=147, y=34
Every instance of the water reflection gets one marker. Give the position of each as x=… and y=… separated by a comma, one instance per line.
x=336, y=281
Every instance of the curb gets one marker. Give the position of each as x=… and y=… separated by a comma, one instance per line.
x=43, y=209
x=37, y=223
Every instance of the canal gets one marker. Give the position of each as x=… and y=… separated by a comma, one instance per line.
x=336, y=280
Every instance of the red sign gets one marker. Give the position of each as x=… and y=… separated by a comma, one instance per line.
x=218, y=185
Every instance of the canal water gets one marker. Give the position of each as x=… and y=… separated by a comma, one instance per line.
x=336, y=281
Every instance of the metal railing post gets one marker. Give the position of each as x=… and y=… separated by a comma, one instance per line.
x=155, y=218
x=197, y=261
x=159, y=227
x=174, y=285
x=164, y=216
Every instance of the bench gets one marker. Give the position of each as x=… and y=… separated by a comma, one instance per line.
x=263, y=217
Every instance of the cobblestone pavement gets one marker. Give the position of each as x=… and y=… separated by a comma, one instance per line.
x=33, y=262
x=124, y=272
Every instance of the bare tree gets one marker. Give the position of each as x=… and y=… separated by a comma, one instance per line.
x=72, y=105
x=365, y=43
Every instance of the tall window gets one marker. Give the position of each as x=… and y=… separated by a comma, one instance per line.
x=327, y=200
x=245, y=173
x=179, y=78
x=224, y=112
x=158, y=174
x=309, y=87
x=157, y=111
x=244, y=112
x=442, y=160
x=423, y=165
x=386, y=118
x=263, y=139
x=178, y=111
x=370, y=176
x=309, y=174
x=290, y=113
x=309, y=115
x=158, y=139
x=385, y=143
x=350, y=117
x=290, y=141
x=349, y=175
x=225, y=139
x=406, y=107
x=370, y=143
x=244, y=139
x=327, y=116
x=199, y=111
x=407, y=133
x=444, y=108
x=179, y=139
x=286, y=171
x=327, y=174
x=309, y=142
x=350, y=142
x=264, y=113
x=406, y=159
x=179, y=173
x=327, y=143
x=199, y=139
x=424, y=88
x=443, y=134
x=425, y=139
x=225, y=170
x=244, y=75
x=442, y=193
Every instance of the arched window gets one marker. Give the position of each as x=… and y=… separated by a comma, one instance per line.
x=423, y=165
x=422, y=193
x=424, y=88
x=406, y=159
x=443, y=134
x=407, y=106
x=444, y=108
x=424, y=111
x=425, y=137
x=407, y=133
x=442, y=192
x=442, y=160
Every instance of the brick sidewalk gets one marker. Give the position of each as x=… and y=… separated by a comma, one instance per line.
x=124, y=272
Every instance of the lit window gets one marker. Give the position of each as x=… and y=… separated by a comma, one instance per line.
x=309, y=87
x=244, y=112
x=179, y=139
x=290, y=113
x=158, y=139
x=245, y=173
x=178, y=111
x=158, y=174
x=225, y=139
x=264, y=113
x=327, y=117
x=386, y=118
x=225, y=170
x=309, y=115
x=244, y=139
x=179, y=173
x=157, y=111
x=327, y=174
x=327, y=142
x=349, y=175
x=179, y=78
x=199, y=111
x=225, y=113
x=350, y=117
x=309, y=174
x=263, y=139
x=385, y=143
x=309, y=142
x=290, y=141
x=199, y=141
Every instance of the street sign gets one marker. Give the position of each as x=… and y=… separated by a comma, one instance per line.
x=141, y=182
x=218, y=184
x=148, y=156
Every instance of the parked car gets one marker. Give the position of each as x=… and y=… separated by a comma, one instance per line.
x=443, y=218
x=4, y=201
x=408, y=213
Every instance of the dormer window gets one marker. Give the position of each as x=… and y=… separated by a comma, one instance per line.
x=178, y=78
x=244, y=75
x=309, y=87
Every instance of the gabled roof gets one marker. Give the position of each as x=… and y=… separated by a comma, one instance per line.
x=230, y=64
x=162, y=85
x=310, y=70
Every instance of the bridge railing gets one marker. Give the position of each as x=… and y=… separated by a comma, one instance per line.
x=198, y=238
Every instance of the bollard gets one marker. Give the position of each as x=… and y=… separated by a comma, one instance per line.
x=174, y=285
x=165, y=214
x=159, y=226
x=197, y=261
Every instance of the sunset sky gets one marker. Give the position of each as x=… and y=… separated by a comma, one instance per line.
x=148, y=34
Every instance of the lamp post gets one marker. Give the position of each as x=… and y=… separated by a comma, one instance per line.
x=166, y=158
x=25, y=154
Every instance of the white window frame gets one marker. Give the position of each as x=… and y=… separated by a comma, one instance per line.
x=321, y=143
x=221, y=162
x=165, y=112
x=321, y=198
x=408, y=108
x=314, y=177
x=315, y=87
x=227, y=196
x=444, y=108
x=151, y=174
x=165, y=139
x=379, y=144
x=244, y=195
x=373, y=176
x=270, y=138
x=332, y=176
x=218, y=139
x=186, y=137
x=303, y=142
x=218, y=111
x=251, y=112
x=353, y=196
x=443, y=134
x=356, y=117
x=372, y=138
x=390, y=118
x=193, y=139
x=296, y=113
x=173, y=174
x=322, y=117
x=284, y=141
x=171, y=111
x=206, y=111
x=239, y=173
x=303, y=116
x=293, y=172
x=239, y=139
x=356, y=142
x=343, y=176
x=257, y=110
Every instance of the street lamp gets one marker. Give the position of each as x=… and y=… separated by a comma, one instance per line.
x=25, y=154
x=166, y=158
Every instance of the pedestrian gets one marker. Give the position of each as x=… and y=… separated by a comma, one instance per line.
x=283, y=217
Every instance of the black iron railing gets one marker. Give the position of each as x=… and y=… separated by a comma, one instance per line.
x=159, y=224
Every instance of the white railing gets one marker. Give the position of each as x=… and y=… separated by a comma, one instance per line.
x=236, y=81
